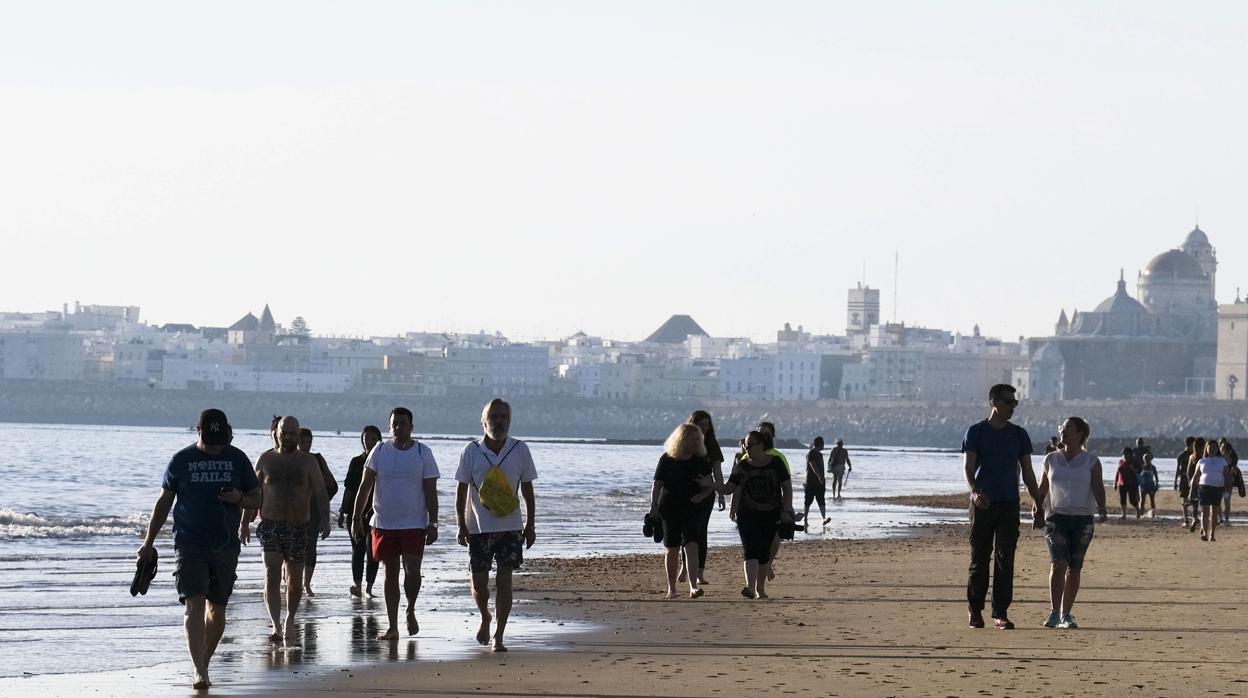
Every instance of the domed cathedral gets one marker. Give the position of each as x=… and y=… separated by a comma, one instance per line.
x=1180, y=283
x=1162, y=343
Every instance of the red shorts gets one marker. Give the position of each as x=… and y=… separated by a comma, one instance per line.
x=389, y=544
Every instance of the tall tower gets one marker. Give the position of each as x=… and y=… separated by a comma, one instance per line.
x=863, y=309
x=1197, y=245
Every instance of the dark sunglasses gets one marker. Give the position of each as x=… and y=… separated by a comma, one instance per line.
x=1008, y=401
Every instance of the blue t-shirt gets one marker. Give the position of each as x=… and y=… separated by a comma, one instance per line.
x=199, y=518
x=996, y=458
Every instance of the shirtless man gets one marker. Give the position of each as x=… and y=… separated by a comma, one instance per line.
x=290, y=483
x=839, y=465
x=402, y=476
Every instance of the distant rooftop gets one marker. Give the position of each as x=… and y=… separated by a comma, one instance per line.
x=676, y=330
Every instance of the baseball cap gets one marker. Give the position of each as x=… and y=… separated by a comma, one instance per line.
x=214, y=429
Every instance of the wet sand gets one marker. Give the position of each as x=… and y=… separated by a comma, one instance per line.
x=1158, y=615
x=1167, y=502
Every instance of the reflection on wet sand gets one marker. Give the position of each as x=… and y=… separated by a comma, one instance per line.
x=247, y=663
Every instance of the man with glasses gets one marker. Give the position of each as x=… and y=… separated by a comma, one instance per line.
x=994, y=453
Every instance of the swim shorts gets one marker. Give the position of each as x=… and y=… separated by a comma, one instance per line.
x=288, y=539
x=390, y=543
x=206, y=572
x=507, y=547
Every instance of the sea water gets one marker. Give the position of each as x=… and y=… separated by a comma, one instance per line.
x=78, y=498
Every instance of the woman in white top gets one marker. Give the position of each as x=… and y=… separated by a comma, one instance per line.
x=1070, y=490
x=1211, y=475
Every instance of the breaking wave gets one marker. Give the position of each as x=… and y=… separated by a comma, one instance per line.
x=14, y=525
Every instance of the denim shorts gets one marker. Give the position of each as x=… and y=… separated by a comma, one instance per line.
x=1068, y=538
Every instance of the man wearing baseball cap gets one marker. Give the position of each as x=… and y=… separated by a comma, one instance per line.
x=206, y=485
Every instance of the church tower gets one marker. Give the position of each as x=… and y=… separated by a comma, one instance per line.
x=1197, y=245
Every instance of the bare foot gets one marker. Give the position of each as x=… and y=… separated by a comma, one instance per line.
x=826, y=520
x=412, y=626
x=671, y=594
x=200, y=681
x=308, y=591
x=498, y=645
x=355, y=590
x=290, y=631
x=702, y=580
x=682, y=576
x=761, y=595
x=391, y=635
x=369, y=591
x=275, y=637
x=771, y=573
x=483, y=633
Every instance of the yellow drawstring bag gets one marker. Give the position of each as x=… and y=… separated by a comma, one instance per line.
x=497, y=494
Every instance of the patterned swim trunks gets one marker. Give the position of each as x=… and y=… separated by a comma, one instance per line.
x=288, y=539
x=505, y=546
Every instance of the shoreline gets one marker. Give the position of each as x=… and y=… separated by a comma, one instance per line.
x=882, y=616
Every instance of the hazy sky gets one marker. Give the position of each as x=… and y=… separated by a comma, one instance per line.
x=544, y=167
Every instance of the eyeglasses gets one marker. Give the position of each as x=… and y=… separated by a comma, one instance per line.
x=1007, y=401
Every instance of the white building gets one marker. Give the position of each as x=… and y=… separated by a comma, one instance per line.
x=349, y=356
x=181, y=374
x=40, y=355
x=704, y=347
x=783, y=376
x=519, y=369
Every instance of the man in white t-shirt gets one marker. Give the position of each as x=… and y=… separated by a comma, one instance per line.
x=405, y=513
x=490, y=537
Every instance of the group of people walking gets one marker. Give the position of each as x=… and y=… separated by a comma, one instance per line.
x=391, y=503
x=1206, y=476
x=689, y=479
x=1137, y=480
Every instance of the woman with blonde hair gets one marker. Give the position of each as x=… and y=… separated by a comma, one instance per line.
x=702, y=420
x=681, y=483
x=1071, y=491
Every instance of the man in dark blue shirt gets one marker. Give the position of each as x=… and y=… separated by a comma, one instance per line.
x=206, y=485
x=994, y=453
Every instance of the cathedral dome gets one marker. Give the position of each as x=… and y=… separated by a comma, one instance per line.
x=1196, y=237
x=1176, y=264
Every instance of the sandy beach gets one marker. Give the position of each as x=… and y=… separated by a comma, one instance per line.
x=1158, y=615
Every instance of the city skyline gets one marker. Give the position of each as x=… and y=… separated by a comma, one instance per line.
x=551, y=168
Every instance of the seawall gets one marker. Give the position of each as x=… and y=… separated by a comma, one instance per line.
x=936, y=425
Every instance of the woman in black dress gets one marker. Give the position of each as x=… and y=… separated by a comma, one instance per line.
x=682, y=481
x=702, y=420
